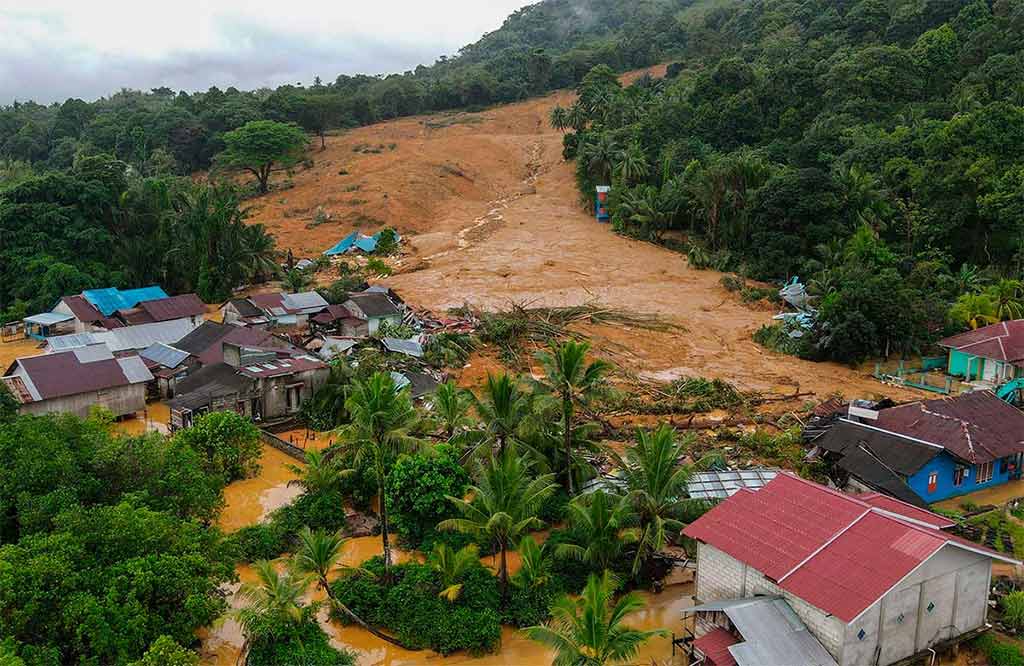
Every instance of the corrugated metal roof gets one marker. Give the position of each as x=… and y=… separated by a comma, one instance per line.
x=82, y=309
x=715, y=646
x=401, y=381
x=175, y=307
x=48, y=318
x=886, y=503
x=62, y=374
x=374, y=304
x=335, y=346
x=144, y=335
x=773, y=635
x=135, y=369
x=304, y=303
x=92, y=353
x=722, y=484
x=110, y=300
x=834, y=551
x=342, y=246
x=60, y=343
x=164, y=355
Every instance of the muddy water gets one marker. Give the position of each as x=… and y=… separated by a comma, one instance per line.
x=250, y=500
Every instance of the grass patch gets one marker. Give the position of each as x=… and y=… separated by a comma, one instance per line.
x=995, y=530
x=998, y=652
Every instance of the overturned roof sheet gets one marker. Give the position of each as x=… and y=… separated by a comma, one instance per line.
x=342, y=246
x=411, y=347
x=110, y=300
x=375, y=304
x=334, y=346
x=722, y=484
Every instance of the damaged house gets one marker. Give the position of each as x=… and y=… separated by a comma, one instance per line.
x=926, y=451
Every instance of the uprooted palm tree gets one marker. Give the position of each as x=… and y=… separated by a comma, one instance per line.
x=589, y=630
x=382, y=418
x=318, y=557
x=451, y=566
x=503, y=505
x=575, y=382
x=656, y=480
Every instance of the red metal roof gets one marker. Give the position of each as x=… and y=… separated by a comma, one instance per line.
x=82, y=309
x=61, y=374
x=714, y=645
x=1002, y=342
x=333, y=313
x=976, y=427
x=836, y=552
x=893, y=505
x=175, y=307
x=268, y=301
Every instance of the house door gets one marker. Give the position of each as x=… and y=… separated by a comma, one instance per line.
x=933, y=482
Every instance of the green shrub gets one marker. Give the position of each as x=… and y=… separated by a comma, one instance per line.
x=530, y=606
x=1013, y=609
x=229, y=442
x=268, y=540
x=412, y=610
x=264, y=541
x=418, y=490
x=733, y=283
x=304, y=644
x=997, y=652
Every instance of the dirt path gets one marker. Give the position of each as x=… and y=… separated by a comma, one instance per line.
x=492, y=215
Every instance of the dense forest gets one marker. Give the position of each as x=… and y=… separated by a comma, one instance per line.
x=541, y=47
x=871, y=147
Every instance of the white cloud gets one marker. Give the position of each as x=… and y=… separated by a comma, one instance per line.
x=55, y=49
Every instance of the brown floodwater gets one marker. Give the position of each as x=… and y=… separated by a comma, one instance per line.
x=250, y=500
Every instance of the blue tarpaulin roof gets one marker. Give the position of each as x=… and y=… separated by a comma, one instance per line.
x=358, y=241
x=110, y=300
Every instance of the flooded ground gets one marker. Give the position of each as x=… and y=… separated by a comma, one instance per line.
x=249, y=501
x=308, y=439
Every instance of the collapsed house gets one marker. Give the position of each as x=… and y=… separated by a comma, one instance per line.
x=375, y=308
x=77, y=380
x=925, y=451
x=873, y=580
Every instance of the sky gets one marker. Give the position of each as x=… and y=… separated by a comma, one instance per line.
x=51, y=50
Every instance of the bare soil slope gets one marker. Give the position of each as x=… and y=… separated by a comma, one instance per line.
x=491, y=216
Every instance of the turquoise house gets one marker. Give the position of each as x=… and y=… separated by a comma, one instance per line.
x=992, y=354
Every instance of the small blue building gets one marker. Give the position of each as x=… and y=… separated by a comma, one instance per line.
x=927, y=451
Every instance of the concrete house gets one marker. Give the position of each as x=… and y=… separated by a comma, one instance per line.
x=993, y=354
x=283, y=309
x=77, y=380
x=168, y=366
x=874, y=580
x=337, y=320
x=930, y=450
x=374, y=308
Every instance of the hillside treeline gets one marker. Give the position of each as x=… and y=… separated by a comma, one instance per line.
x=874, y=148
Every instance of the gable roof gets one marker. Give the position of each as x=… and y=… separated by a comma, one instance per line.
x=174, y=307
x=245, y=308
x=110, y=300
x=332, y=314
x=836, y=552
x=375, y=304
x=126, y=338
x=81, y=370
x=306, y=302
x=906, y=510
x=164, y=355
x=206, y=342
x=975, y=427
x=200, y=387
x=1001, y=342
x=82, y=309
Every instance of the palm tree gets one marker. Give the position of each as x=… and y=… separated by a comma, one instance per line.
x=275, y=599
x=451, y=408
x=452, y=567
x=381, y=420
x=974, y=311
x=317, y=558
x=599, y=524
x=559, y=118
x=589, y=630
x=632, y=164
x=296, y=280
x=319, y=474
x=535, y=564
x=599, y=157
x=656, y=480
x=967, y=279
x=575, y=382
x=502, y=408
x=503, y=504
x=260, y=249
x=1006, y=299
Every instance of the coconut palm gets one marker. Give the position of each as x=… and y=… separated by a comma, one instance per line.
x=559, y=118
x=632, y=164
x=599, y=526
x=503, y=505
x=382, y=418
x=974, y=311
x=452, y=567
x=275, y=599
x=318, y=558
x=656, y=480
x=260, y=251
x=502, y=408
x=1006, y=299
x=589, y=630
x=535, y=564
x=319, y=474
x=573, y=381
x=599, y=157
x=451, y=408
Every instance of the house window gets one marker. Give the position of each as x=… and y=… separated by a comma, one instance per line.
x=861, y=634
x=984, y=473
x=900, y=618
x=933, y=481
x=959, y=474
x=931, y=606
x=1004, y=465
